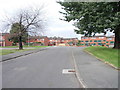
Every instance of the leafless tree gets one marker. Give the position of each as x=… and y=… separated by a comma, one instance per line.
x=33, y=20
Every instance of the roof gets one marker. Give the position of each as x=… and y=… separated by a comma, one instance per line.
x=95, y=36
x=100, y=36
x=37, y=37
x=110, y=36
x=61, y=38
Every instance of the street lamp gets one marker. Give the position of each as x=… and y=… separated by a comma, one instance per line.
x=28, y=41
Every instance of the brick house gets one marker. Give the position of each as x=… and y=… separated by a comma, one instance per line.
x=38, y=40
x=4, y=39
x=97, y=41
x=70, y=41
x=32, y=39
x=58, y=40
x=54, y=41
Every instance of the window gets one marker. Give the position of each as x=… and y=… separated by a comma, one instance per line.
x=99, y=43
x=99, y=40
x=112, y=42
x=107, y=42
x=90, y=40
x=95, y=40
x=1, y=38
x=86, y=44
x=86, y=41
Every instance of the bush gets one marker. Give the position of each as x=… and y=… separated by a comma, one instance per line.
x=14, y=44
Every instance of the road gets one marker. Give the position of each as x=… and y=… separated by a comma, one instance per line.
x=40, y=70
x=44, y=70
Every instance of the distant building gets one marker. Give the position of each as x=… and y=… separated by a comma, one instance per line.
x=62, y=41
x=38, y=40
x=4, y=39
x=98, y=41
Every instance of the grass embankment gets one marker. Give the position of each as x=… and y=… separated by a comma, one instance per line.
x=106, y=54
x=8, y=51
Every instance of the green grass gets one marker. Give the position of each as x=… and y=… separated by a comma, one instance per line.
x=9, y=46
x=8, y=51
x=107, y=54
x=36, y=46
x=23, y=46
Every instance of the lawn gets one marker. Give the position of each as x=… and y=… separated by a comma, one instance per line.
x=23, y=46
x=8, y=51
x=107, y=54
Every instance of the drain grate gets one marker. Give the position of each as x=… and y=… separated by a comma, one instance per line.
x=68, y=71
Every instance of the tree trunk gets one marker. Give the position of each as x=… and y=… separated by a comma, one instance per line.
x=117, y=39
x=20, y=43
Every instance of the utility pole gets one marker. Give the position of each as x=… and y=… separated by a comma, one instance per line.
x=28, y=41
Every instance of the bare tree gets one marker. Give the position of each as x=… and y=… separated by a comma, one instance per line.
x=32, y=19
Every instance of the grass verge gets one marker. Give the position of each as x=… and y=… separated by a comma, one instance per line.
x=8, y=51
x=23, y=46
x=106, y=54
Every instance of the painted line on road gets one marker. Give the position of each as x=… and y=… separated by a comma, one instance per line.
x=77, y=73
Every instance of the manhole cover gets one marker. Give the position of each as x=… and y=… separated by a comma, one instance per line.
x=68, y=71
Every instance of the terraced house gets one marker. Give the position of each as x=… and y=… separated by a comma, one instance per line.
x=58, y=41
x=38, y=40
x=98, y=41
x=4, y=39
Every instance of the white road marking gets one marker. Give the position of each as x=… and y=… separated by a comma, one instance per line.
x=68, y=71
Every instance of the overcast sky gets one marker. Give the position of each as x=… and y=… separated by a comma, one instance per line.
x=55, y=26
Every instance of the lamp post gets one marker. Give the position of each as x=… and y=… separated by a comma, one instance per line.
x=28, y=41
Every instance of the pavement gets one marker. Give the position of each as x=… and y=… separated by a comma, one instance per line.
x=94, y=73
x=44, y=69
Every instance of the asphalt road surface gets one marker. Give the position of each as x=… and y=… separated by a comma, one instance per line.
x=40, y=70
x=44, y=70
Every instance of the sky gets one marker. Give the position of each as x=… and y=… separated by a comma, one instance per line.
x=54, y=26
